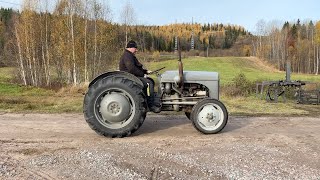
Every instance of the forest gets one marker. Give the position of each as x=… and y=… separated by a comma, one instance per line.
x=77, y=40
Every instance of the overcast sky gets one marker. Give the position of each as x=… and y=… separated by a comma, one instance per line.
x=241, y=12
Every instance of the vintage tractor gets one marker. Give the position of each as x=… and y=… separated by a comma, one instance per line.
x=115, y=104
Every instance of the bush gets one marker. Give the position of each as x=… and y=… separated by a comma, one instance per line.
x=246, y=50
x=193, y=53
x=156, y=55
x=240, y=86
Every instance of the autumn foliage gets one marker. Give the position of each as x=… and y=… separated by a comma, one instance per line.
x=77, y=40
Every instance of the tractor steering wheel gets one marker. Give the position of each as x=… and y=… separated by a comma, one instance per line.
x=156, y=71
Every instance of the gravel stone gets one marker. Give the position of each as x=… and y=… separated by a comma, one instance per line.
x=45, y=146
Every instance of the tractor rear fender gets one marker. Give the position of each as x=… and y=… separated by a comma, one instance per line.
x=118, y=74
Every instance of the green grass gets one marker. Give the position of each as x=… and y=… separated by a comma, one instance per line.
x=18, y=98
x=27, y=99
x=30, y=104
x=254, y=106
x=6, y=74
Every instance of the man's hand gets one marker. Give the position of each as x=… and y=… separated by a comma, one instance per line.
x=148, y=71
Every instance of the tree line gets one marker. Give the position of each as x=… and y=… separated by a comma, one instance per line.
x=70, y=45
x=162, y=38
x=77, y=40
x=297, y=43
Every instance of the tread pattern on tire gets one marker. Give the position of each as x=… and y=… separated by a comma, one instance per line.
x=135, y=90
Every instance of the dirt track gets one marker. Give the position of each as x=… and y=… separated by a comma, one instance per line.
x=52, y=146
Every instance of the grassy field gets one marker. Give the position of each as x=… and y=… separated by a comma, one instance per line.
x=26, y=99
x=17, y=98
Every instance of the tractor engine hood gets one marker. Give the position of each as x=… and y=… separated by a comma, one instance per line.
x=208, y=79
x=190, y=76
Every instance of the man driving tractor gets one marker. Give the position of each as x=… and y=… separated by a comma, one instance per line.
x=129, y=63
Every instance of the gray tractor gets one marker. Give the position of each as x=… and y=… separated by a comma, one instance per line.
x=115, y=104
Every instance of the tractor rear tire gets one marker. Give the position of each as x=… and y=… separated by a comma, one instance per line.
x=209, y=116
x=115, y=106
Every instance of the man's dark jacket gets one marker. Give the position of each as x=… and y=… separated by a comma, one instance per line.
x=129, y=63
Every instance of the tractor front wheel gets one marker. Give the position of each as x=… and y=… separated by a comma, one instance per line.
x=209, y=116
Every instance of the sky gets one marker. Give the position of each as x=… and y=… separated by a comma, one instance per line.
x=245, y=13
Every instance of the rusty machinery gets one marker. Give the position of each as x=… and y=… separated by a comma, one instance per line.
x=273, y=90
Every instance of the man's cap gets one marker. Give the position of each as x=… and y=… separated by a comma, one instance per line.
x=132, y=44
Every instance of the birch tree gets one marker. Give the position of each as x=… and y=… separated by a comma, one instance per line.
x=317, y=40
x=128, y=18
x=260, y=27
x=20, y=57
x=44, y=20
x=25, y=35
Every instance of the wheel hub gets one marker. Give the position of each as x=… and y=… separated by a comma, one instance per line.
x=208, y=116
x=115, y=107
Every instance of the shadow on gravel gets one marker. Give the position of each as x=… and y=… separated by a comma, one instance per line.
x=235, y=123
x=162, y=122
x=181, y=125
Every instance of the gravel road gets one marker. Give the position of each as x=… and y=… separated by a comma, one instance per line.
x=62, y=146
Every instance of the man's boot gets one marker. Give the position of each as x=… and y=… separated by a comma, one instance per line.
x=155, y=109
x=152, y=106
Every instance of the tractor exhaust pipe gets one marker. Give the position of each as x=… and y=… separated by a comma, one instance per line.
x=181, y=83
